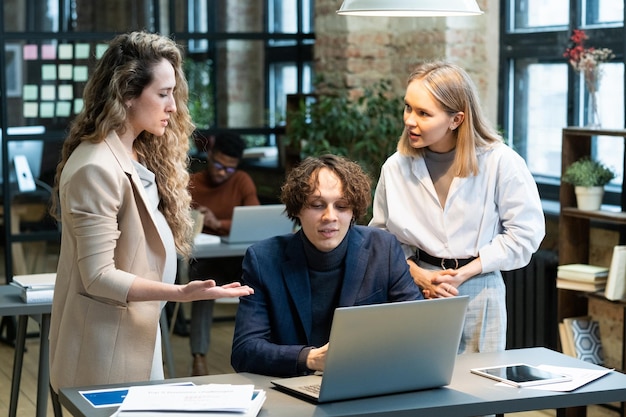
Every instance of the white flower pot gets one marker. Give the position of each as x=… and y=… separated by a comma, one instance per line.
x=589, y=198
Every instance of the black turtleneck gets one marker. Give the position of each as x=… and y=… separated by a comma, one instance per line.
x=326, y=271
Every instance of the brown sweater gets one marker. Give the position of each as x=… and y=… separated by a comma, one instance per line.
x=238, y=190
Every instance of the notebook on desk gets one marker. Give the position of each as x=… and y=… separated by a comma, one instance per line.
x=385, y=349
x=254, y=223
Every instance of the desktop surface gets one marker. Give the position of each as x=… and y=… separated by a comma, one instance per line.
x=467, y=395
x=11, y=304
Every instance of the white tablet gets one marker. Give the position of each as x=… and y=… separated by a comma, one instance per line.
x=521, y=375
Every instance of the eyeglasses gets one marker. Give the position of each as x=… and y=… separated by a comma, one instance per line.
x=219, y=167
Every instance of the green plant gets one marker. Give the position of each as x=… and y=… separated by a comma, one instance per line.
x=587, y=172
x=200, y=103
x=365, y=129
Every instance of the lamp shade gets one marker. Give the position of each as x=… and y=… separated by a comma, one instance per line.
x=408, y=8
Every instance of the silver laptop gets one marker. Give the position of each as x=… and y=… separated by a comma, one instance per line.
x=384, y=349
x=254, y=223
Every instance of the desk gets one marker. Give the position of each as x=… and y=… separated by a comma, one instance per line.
x=12, y=305
x=467, y=395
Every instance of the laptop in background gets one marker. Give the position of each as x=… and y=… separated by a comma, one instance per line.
x=384, y=349
x=254, y=223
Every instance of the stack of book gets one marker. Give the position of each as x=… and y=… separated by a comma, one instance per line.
x=35, y=288
x=582, y=277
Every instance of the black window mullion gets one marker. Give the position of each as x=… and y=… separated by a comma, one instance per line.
x=548, y=45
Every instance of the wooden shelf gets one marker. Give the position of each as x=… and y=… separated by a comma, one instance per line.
x=574, y=225
x=615, y=217
x=586, y=131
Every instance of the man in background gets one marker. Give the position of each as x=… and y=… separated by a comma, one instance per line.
x=215, y=192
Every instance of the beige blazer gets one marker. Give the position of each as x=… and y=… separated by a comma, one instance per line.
x=108, y=237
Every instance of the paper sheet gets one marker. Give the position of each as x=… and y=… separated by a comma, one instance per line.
x=209, y=397
x=255, y=406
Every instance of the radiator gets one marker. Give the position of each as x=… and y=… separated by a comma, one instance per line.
x=531, y=300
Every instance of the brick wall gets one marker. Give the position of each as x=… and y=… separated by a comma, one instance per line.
x=240, y=79
x=354, y=52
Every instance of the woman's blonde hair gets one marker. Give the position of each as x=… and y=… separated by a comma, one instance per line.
x=453, y=89
x=122, y=73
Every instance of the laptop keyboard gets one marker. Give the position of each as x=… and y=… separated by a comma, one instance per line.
x=315, y=389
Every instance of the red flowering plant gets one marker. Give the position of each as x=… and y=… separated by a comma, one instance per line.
x=587, y=60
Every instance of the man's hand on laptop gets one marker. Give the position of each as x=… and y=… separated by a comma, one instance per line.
x=317, y=358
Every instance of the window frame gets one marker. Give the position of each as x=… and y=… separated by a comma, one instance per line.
x=547, y=45
x=298, y=48
x=61, y=31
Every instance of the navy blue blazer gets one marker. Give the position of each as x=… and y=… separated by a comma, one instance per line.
x=274, y=324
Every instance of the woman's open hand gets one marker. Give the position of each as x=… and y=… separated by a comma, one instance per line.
x=208, y=290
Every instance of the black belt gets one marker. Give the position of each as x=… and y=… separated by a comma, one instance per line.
x=442, y=262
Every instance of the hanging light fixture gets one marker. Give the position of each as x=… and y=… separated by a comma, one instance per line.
x=409, y=8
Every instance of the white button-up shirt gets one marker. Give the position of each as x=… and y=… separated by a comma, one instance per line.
x=496, y=214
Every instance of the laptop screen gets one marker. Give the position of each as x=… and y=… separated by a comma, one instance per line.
x=387, y=348
x=254, y=223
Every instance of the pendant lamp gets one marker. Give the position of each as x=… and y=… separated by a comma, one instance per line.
x=409, y=8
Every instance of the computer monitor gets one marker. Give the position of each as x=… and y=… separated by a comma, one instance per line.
x=32, y=152
x=27, y=164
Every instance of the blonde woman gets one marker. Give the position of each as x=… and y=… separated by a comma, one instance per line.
x=121, y=194
x=463, y=205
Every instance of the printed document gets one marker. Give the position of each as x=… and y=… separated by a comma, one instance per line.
x=198, y=398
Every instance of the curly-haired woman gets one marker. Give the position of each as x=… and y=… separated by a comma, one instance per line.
x=121, y=196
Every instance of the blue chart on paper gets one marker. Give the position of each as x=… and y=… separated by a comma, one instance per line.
x=105, y=398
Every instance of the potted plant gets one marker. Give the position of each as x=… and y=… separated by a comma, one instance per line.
x=588, y=177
